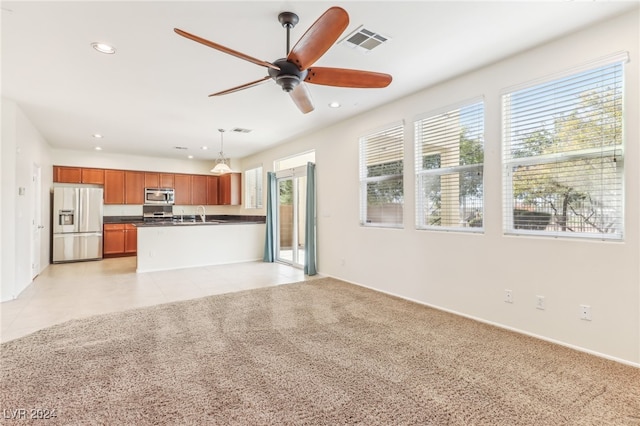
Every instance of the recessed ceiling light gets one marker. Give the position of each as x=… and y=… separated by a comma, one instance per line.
x=204, y=148
x=97, y=135
x=98, y=148
x=103, y=48
x=334, y=104
x=189, y=157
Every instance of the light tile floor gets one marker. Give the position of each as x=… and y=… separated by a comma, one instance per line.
x=76, y=290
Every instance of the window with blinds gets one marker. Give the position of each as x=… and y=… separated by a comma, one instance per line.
x=563, y=155
x=381, y=177
x=449, y=155
x=253, y=188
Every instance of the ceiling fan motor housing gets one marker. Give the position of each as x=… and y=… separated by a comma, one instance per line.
x=289, y=75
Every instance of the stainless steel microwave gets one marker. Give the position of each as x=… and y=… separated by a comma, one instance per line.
x=158, y=196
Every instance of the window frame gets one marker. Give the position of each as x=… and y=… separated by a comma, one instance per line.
x=259, y=188
x=439, y=171
x=396, y=126
x=616, y=152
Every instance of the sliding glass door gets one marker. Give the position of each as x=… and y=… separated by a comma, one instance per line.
x=292, y=187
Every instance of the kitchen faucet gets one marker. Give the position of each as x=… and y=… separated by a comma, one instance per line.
x=204, y=212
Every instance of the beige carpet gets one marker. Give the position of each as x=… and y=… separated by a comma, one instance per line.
x=317, y=353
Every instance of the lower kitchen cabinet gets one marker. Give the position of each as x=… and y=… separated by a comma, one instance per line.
x=120, y=239
x=130, y=239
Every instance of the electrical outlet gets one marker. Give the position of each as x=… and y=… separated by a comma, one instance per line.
x=585, y=312
x=508, y=296
x=540, y=304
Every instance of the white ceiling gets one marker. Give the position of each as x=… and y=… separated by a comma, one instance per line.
x=151, y=96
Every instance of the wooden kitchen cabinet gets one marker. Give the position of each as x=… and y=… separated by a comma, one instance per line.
x=114, y=187
x=229, y=189
x=212, y=190
x=130, y=239
x=67, y=174
x=127, y=186
x=166, y=180
x=134, y=187
x=120, y=239
x=113, y=239
x=151, y=180
x=64, y=174
x=182, y=185
x=95, y=176
x=158, y=180
x=198, y=190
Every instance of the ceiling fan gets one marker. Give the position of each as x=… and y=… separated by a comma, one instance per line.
x=292, y=72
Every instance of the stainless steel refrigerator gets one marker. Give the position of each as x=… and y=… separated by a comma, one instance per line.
x=77, y=224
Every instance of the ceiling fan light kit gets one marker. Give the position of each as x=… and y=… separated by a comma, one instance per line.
x=293, y=72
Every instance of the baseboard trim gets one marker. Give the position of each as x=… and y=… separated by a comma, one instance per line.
x=496, y=324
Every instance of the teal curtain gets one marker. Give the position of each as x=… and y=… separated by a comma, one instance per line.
x=272, y=205
x=310, y=222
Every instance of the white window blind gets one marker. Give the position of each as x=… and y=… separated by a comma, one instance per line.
x=253, y=188
x=563, y=155
x=381, y=177
x=449, y=155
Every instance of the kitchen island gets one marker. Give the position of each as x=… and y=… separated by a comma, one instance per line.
x=174, y=244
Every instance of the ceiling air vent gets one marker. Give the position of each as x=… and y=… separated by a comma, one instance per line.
x=363, y=40
x=240, y=130
x=180, y=147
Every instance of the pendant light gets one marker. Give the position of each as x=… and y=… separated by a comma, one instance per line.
x=221, y=163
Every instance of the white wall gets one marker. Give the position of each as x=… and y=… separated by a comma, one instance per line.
x=22, y=148
x=425, y=265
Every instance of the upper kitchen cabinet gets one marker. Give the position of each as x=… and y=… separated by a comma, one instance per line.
x=64, y=174
x=229, y=189
x=198, y=189
x=95, y=176
x=182, y=186
x=212, y=190
x=134, y=187
x=158, y=180
x=67, y=174
x=167, y=180
x=114, y=187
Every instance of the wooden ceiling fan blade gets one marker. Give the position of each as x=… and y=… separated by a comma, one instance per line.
x=225, y=49
x=342, y=77
x=302, y=98
x=319, y=37
x=242, y=87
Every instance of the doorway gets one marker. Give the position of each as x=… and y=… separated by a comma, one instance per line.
x=292, y=199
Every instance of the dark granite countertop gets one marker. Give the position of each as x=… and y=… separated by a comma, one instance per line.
x=188, y=220
x=122, y=219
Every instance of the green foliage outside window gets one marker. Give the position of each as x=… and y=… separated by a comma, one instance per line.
x=571, y=189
